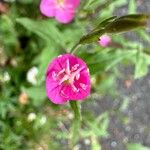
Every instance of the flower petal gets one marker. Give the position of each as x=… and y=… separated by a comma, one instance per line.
x=105, y=40
x=64, y=15
x=47, y=8
x=74, y=3
x=54, y=94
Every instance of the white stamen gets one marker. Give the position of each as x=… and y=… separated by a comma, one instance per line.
x=74, y=68
x=54, y=76
x=60, y=72
x=70, y=76
x=74, y=88
x=63, y=79
x=67, y=67
x=83, y=86
x=78, y=76
x=77, y=72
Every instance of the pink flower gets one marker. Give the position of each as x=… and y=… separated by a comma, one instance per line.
x=104, y=40
x=62, y=10
x=67, y=78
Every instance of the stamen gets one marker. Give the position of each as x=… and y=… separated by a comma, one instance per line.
x=77, y=72
x=67, y=67
x=68, y=76
x=74, y=68
x=60, y=72
x=78, y=76
x=83, y=86
x=63, y=79
x=54, y=76
x=74, y=88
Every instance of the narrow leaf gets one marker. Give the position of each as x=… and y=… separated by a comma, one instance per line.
x=104, y=23
x=132, y=6
x=116, y=25
x=127, y=23
x=91, y=37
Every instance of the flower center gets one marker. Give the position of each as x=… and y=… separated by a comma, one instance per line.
x=60, y=2
x=69, y=75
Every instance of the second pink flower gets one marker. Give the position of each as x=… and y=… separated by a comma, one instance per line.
x=62, y=10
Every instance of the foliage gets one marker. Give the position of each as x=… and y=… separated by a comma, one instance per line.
x=28, y=39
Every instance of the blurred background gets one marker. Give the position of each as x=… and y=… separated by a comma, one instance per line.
x=116, y=116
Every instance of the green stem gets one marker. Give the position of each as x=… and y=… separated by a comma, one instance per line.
x=76, y=122
x=75, y=106
x=74, y=48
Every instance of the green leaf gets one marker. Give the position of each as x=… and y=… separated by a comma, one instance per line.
x=46, y=29
x=132, y=7
x=136, y=17
x=26, y=1
x=116, y=25
x=127, y=23
x=8, y=34
x=105, y=83
x=125, y=104
x=99, y=126
x=92, y=4
x=46, y=56
x=119, y=3
x=104, y=23
x=104, y=61
x=92, y=37
x=37, y=94
x=141, y=66
x=95, y=144
x=136, y=146
x=144, y=35
x=96, y=32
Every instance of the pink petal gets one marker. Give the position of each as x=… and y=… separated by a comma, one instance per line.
x=55, y=96
x=72, y=59
x=55, y=65
x=83, y=93
x=64, y=15
x=105, y=40
x=47, y=8
x=74, y=3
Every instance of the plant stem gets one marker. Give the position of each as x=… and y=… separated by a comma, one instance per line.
x=76, y=122
x=74, y=48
